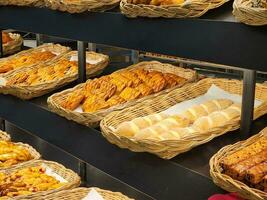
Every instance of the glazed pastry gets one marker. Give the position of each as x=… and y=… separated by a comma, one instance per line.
x=244, y=153
x=130, y=128
x=255, y=174
x=11, y=154
x=117, y=88
x=23, y=60
x=27, y=181
x=239, y=170
x=218, y=118
x=206, y=108
x=73, y=100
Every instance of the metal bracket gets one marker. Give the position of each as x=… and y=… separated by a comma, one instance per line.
x=92, y=47
x=134, y=56
x=248, y=97
x=1, y=45
x=39, y=39
x=82, y=172
x=81, y=61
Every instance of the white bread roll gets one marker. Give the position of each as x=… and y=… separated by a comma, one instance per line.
x=218, y=118
x=206, y=108
x=130, y=128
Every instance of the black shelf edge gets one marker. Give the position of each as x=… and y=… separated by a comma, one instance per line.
x=212, y=39
x=160, y=179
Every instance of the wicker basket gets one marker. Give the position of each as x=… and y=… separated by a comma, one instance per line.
x=79, y=6
x=169, y=148
x=225, y=181
x=93, y=119
x=190, y=8
x=37, y=3
x=55, y=48
x=35, y=155
x=14, y=45
x=73, y=180
x=4, y=136
x=29, y=92
x=80, y=193
x=250, y=12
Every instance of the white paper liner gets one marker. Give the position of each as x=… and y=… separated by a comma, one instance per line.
x=93, y=195
x=89, y=60
x=3, y=81
x=50, y=172
x=56, y=53
x=214, y=92
x=79, y=109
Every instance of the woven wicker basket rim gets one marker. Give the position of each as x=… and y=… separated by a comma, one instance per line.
x=215, y=169
x=71, y=177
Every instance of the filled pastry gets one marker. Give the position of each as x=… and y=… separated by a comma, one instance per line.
x=119, y=87
x=11, y=154
x=249, y=164
x=27, y=181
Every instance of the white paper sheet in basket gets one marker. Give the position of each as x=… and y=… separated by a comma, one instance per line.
x=89, y=60
x=3, y=81
x=93, y=195
x=50, y=172
x=214, y=92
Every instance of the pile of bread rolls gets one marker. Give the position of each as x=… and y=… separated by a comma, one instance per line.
x=199, y=118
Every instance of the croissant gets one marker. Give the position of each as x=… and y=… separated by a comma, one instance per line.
x=218, y=118
x=130, y=128
x=206, y=108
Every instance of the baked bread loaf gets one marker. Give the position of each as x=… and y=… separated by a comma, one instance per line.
x=130, y=128
x=218, y=118
x=163, y=129
x=206, y=108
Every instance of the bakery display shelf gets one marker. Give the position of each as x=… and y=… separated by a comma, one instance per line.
x=242, y=46
x=135, y=169
x=95, y=177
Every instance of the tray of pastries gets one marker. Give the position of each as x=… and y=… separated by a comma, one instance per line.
x=30, y=82
x=251, y=12
x=35, y=179
x=79, y=6
x=12, y=154
x=82, y=193
x=148, y=127
x=89, y=102
x=4, y=136
x=242, y=167
x=32, y=57
x=11, y=42
x=37, y=3
x=168, y=8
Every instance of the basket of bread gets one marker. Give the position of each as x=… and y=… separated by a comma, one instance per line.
x=34, y=81
x=86, y=193
x=168, y=8
x=89, y=102
x=242, y=167
x=182, y=119
x=11, y=42
x=32, y=57
x=251, y=12
x=37, y=3
x=36, y=179
x=79, y=6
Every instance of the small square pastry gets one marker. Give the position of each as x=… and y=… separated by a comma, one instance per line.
x=130, y=94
